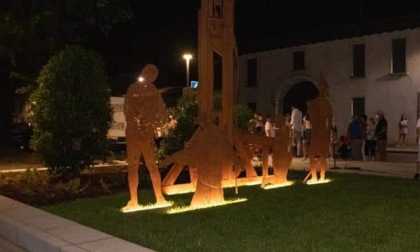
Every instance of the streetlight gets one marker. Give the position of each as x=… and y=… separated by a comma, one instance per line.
x=187, y=57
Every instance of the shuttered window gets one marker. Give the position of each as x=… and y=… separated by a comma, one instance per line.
x=359, y=60
x=252, y=72
x=398, y=56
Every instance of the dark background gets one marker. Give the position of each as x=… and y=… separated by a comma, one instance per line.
x=162, y=30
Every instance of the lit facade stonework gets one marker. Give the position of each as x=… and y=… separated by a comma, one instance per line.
x=365, y=74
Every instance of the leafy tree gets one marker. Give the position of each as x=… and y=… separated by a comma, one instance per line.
x=242, y=116
x=71, y=111
x=185, y=113
x=32, y=31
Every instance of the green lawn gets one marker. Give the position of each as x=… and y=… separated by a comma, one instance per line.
x=352, y=213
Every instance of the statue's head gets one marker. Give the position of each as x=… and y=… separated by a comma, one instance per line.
x=323, y=86
x=149, y=73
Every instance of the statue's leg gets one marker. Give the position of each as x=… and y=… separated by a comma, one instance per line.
x=150, y=159
x=323, y=160
x=313, y=163
x=133, y=158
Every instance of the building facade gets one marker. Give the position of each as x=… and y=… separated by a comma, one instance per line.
x=365, y=74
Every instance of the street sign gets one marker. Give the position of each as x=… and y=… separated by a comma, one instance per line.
x=194, y=84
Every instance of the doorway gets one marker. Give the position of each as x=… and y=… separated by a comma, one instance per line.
x=298, y=95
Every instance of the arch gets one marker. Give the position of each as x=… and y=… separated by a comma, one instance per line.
x=295, y=84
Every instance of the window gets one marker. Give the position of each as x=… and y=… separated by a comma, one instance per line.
x=252, y=72
x=358, y=106
x=298, y=60
x=398, y=56
x=359, y=60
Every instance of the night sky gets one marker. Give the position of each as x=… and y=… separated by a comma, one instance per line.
x=162, y=30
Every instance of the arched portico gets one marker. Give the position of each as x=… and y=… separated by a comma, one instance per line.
x=297, y=90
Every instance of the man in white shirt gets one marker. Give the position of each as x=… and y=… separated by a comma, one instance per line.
x=417, y=176
x=296, y=127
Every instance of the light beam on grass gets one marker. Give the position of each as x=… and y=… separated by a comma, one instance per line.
x=189, y=208
x=175, y=191
x=273, y=186
x=251, y=183
x=145, y=207
x=318, y=182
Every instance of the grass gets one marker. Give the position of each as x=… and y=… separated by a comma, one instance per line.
x=352, y=213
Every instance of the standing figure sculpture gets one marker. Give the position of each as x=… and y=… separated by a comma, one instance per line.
x=282, y=158
x=144, y=110
x=321, y=117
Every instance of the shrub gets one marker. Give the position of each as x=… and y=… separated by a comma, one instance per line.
x=185, y=113
x=242, y=117
x=71, y=111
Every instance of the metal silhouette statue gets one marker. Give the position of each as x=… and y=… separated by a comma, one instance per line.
x=321, y=117
x=282, y=158
x=144, y=110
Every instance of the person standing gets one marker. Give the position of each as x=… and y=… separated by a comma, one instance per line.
x=355, y=132
x=364, y=121
x=333, y=139
x=269, y=127
x=307, y=133
x=417, y=175
x=402, y=131
x=370, y=142
x=259, y=125
x=381, y=134
x=144, y=110
x=296, y=128
x=253, y=124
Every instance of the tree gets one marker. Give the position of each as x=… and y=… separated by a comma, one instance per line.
x=242, y=116
x=71, y=111
x=185, y=113
x=32, y=31
x=47, y=25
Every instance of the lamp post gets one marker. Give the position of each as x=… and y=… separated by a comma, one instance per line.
x=187, y=57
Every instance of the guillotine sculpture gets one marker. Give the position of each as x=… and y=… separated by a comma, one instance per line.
x=218, y=153
x=209, y=153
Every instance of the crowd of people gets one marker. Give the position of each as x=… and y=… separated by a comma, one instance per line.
x=368, y=137
x=365, y=139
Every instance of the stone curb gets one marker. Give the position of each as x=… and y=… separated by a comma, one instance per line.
x=37, y=230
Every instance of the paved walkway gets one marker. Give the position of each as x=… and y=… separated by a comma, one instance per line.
x=6, y=246
x=35, y=230
x=402, y=170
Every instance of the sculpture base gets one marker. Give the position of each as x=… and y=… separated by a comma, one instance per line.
x=129, y=209
x=277, y=185
x=316, y=182
x=189, y=208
